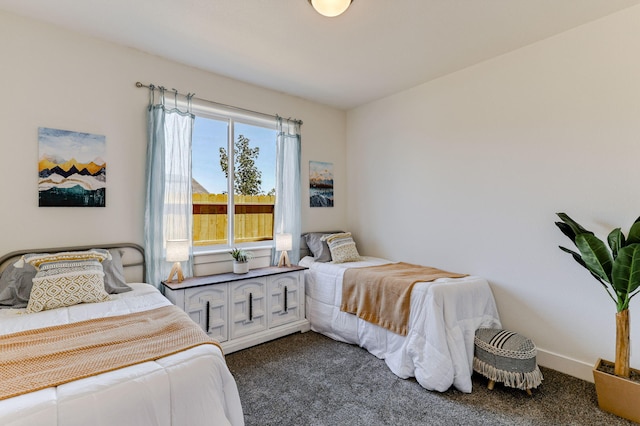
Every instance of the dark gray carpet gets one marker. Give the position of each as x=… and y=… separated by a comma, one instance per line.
x=309, y=379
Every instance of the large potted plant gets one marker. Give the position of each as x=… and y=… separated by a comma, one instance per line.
x=617, y=267
x=240, y=260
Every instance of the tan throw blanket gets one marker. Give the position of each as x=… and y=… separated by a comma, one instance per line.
x=382, y=294
x=37, y=359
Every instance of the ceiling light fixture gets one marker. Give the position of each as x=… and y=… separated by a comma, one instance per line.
x=330, y=8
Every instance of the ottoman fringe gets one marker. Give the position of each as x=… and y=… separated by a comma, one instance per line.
x=511, y=379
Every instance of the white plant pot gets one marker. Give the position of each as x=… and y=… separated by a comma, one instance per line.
x=240, y=267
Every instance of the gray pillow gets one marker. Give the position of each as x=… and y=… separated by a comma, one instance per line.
x=15, y=285
x=114, y=281
x=317, y=247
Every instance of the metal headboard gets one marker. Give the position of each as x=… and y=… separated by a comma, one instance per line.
x=132, y=257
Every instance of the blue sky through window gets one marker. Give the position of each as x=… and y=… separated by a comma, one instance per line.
x=209, y=135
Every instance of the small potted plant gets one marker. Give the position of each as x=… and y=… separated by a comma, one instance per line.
x=240, y=260
x=617, y=269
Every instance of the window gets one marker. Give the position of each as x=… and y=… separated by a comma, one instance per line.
x=226, y=146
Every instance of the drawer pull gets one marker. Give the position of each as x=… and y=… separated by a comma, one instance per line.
x=285, y=298
x=207, y=317
x=250, y=306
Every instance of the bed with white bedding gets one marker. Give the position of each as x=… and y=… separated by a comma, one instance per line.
x=189, y=387
x=444, y=315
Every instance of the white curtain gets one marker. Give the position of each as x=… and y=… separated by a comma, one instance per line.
x=287, y=208
x=168, y=210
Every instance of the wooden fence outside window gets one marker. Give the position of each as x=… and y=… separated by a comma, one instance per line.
x=253, y=218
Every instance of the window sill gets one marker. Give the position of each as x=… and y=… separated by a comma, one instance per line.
x=218, y=260
x=205, y=251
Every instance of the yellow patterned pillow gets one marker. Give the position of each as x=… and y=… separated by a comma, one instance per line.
x=65, y=283
x=343, y=248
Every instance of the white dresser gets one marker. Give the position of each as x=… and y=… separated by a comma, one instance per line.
x=242, y=310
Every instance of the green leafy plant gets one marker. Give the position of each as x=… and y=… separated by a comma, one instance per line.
x=616, y=267
x=240, y=255
x=247, y=177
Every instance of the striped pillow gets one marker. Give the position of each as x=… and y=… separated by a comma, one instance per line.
x=343, y=248
x=36, y=259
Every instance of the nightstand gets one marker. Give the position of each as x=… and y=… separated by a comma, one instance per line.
x=243, y=310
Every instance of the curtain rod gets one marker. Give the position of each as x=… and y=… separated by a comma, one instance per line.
x=139, y=85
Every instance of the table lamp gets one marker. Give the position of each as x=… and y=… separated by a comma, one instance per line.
x=284, y=242
x=177, y=251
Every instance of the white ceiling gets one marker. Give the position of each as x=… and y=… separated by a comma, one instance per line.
x=378, y=47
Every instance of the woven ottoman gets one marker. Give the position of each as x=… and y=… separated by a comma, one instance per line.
x=506, y=357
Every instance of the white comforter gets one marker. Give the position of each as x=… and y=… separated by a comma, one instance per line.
x=193, y=387
x=438, y=349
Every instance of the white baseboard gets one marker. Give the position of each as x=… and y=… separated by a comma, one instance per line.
x=565, y=365
x=237, y=344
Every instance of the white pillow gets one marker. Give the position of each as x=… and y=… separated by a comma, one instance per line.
x=343, y=248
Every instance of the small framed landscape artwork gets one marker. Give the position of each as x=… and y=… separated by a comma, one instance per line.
x=71, y=169
x=320, y=184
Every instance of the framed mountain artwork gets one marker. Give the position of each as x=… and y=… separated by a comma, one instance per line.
x=71, y=169
x=320, y=184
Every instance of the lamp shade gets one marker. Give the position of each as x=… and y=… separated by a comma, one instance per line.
x=330, y=8
x=284, y=242
x=177, y=250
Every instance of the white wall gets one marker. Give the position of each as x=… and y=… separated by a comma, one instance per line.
x=467, y=172
x=61, y=79
x=464, y=173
